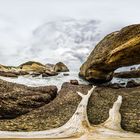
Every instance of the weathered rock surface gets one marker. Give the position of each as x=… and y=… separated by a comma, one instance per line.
x=74, y=82
x=60, y=67
x=121, y=48
x=58, y=112
x=33, y=68
x=16, y=100
x=128, y=74
x=132, y=83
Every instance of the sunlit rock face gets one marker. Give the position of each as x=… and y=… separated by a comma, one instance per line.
x=118, y=49
x=34, y=69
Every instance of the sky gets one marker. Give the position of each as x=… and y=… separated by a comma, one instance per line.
x=19, y=18
x=28, y=14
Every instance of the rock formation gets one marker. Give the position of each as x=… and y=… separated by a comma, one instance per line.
x=33, y=68
x=61, y=109
x=78, y=125
x=118, y=49
x=16, y=99
x=60, y=67
x=128, y=74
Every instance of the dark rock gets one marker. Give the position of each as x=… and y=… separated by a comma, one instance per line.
x=133, y=68
x=118, y=49
x=122, y=84
x=74, y=82
x=112, y=85
x=12, y=73
x=16, y=99
x=128, y=74
x=59, y=111
x=132, y=83
x=8, y=74
x=139, y=68
x=66, y=74
x=35, y=74
x=49, y=73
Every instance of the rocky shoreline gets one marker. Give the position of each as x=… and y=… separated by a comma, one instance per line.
x=17, y=100
x=34, y=69
x=24, y=108
x=47, y=115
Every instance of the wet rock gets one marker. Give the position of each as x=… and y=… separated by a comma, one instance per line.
x=133, y=68
x=58, y=112
x=49, y=73
x=115, y=50
x=60, y=67
x=113, y=85
x=128, y=74
x=8, y=74
x=66, y=74
x=16, y=100
x=74, y=82
x=132, y=83
x=12, y=73
x=35, y=74
x=122, y=84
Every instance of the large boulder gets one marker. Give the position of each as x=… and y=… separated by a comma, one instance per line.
x=16, y=99
x=32, y=66
x=118, y=49
x=59, y=111
x=60, y=67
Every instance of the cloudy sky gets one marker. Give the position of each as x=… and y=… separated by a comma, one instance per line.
x=18, y=18
x=28, y=14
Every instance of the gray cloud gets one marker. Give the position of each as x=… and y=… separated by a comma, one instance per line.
x=19, y=18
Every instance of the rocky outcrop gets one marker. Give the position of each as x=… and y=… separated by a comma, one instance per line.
x=60, y=67
x=132, y=83
x=16, y=100
x=33, y=68
x=128, y=74
x=121, y=48
x=58, y=112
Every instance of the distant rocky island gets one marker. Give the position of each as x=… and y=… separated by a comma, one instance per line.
x=24, y=108
x=34, y=69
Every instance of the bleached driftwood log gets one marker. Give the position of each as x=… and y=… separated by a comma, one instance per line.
x=79, y=126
